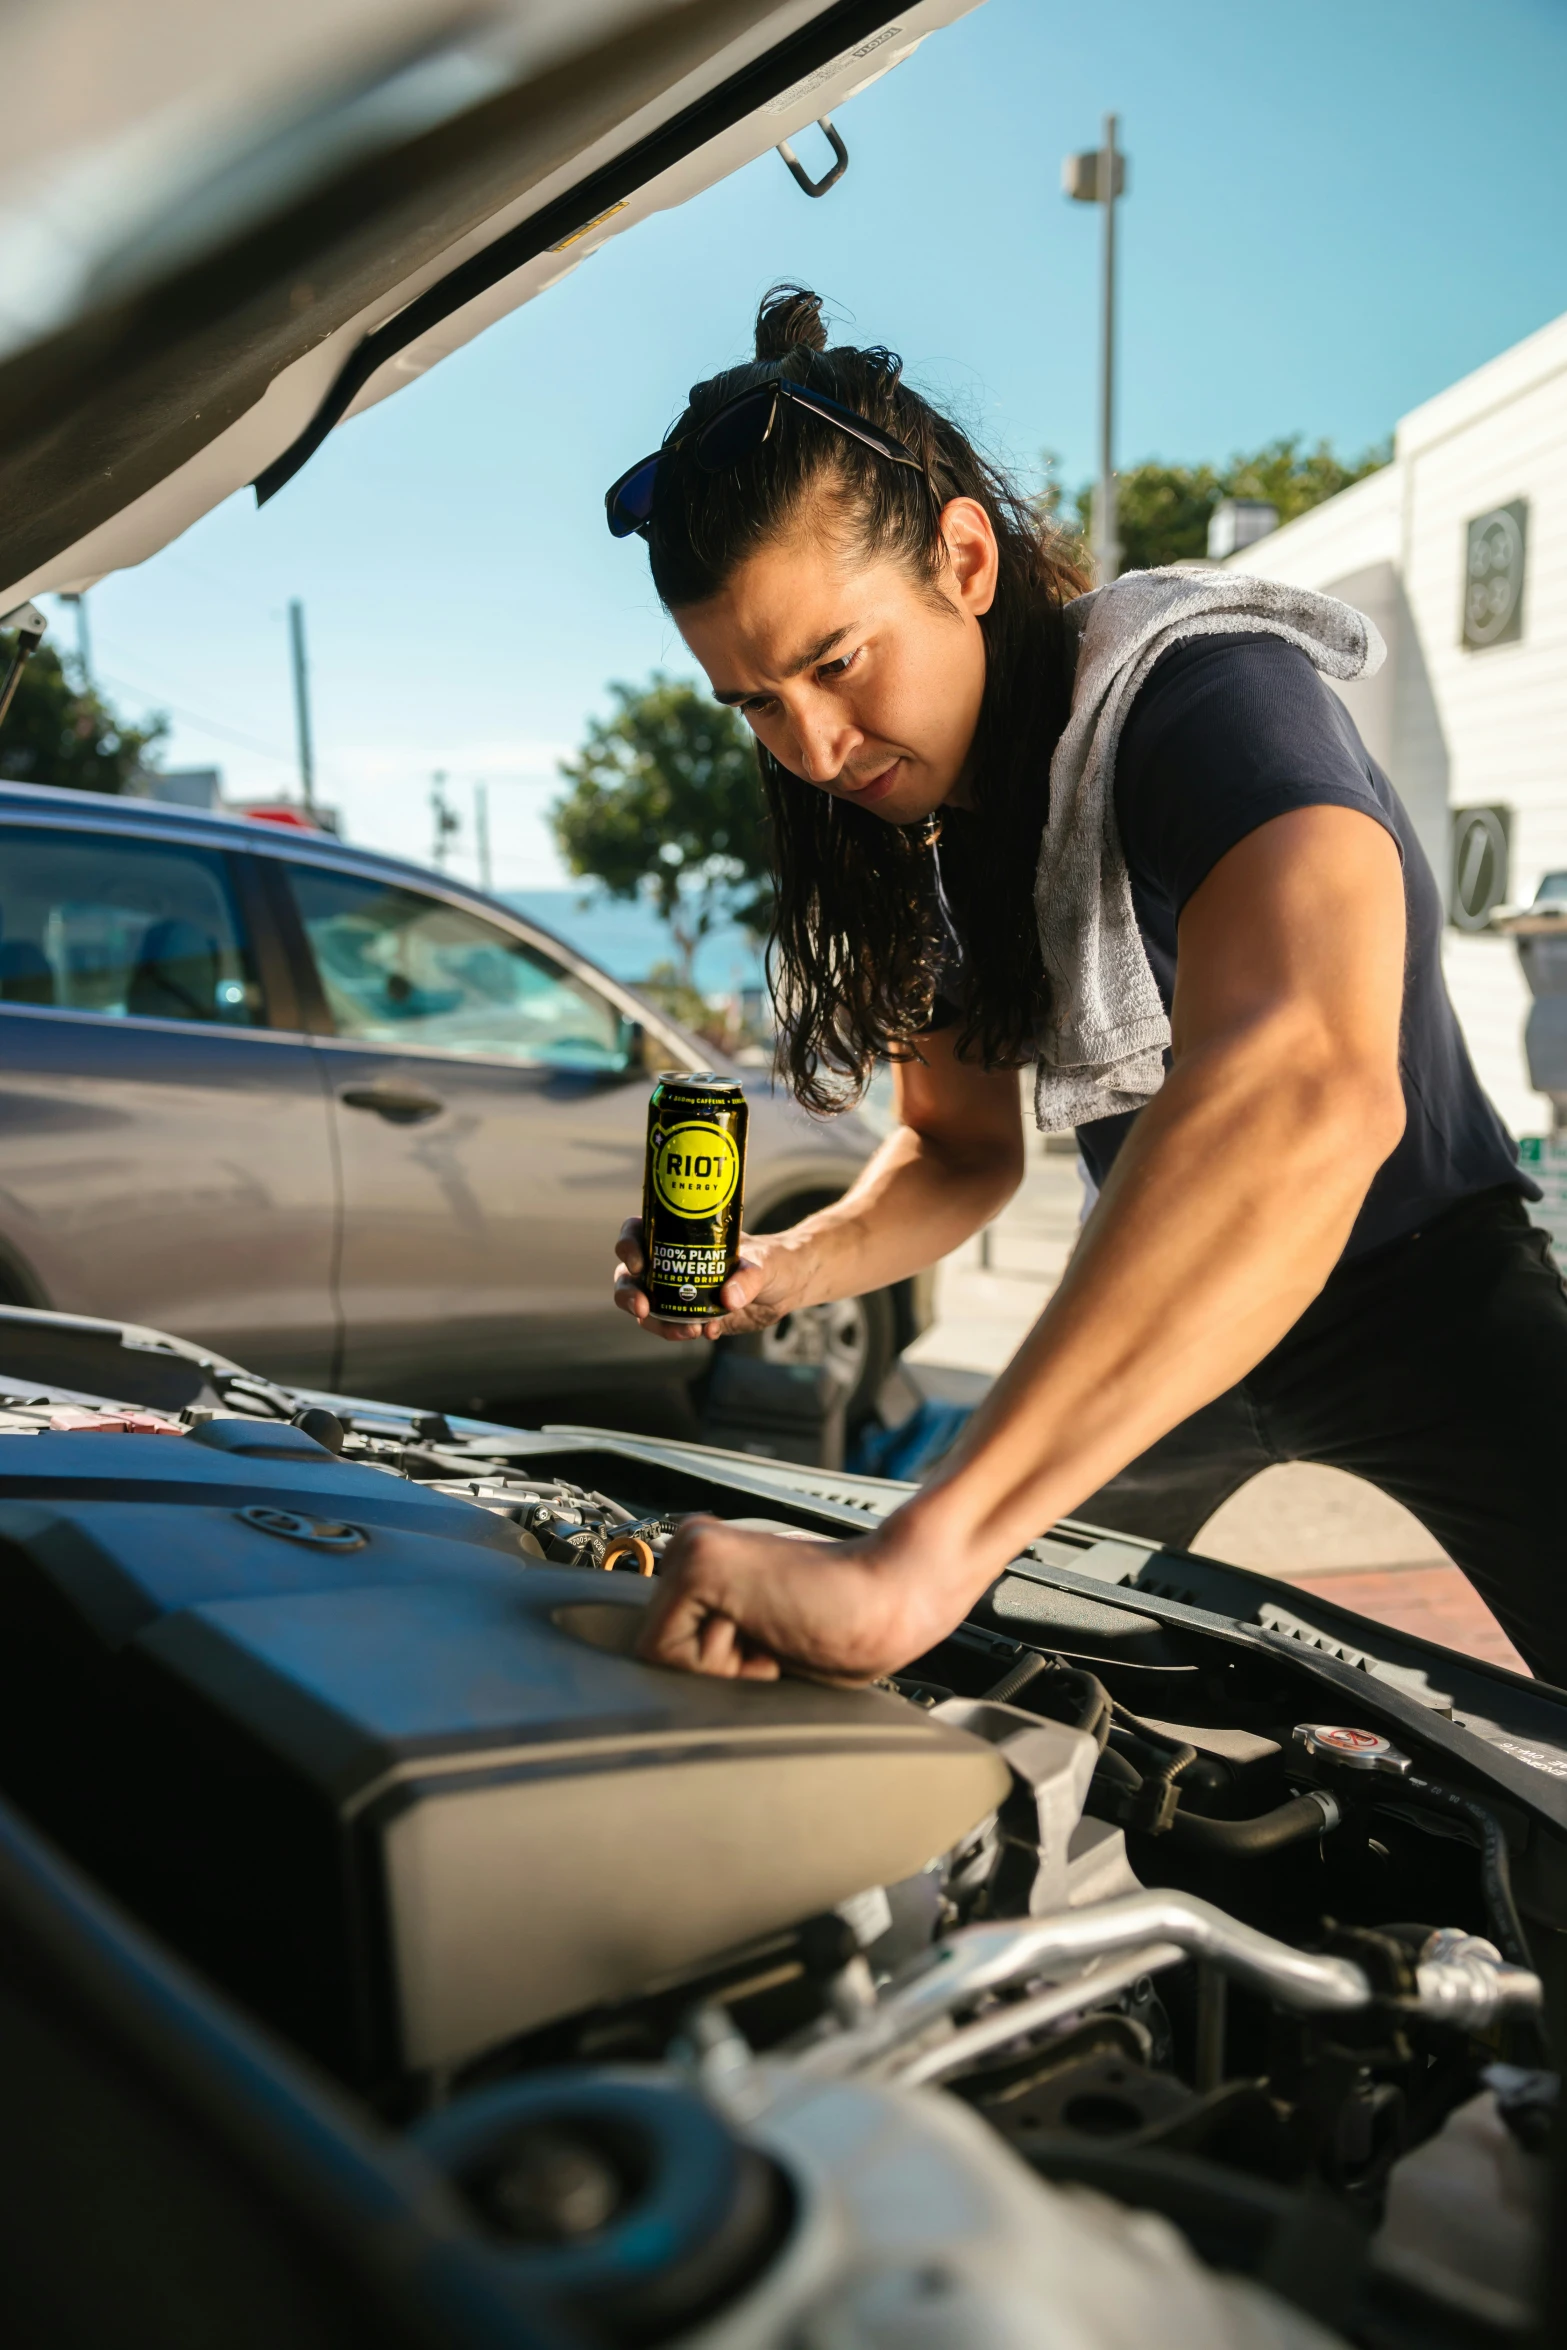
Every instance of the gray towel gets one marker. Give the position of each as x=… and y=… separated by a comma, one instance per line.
x=1103, y=1050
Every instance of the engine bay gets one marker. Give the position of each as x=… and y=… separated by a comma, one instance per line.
x=1222, y=1915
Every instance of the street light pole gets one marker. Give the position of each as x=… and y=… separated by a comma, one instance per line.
x=1099, y=177
x=1107, y=545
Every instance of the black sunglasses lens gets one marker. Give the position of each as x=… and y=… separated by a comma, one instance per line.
x=630, y=502
x=859, y=428
x=736, y=432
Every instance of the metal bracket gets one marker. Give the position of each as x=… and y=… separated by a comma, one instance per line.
x=802, y=177
x=29, y=624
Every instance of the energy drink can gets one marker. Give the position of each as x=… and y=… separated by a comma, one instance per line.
x=692, y=1192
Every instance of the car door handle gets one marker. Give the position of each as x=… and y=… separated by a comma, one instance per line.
x=400, y=1105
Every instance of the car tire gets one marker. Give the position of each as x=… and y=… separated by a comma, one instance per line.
x=856, y=1336
x=16, y=1289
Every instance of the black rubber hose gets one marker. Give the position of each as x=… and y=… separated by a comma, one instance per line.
x=1017, y=1677
x=1169, y=1756
x=1291, y=1823
x=1093, y=1709
x=1496, y=1876
x=1179, y=1754
x=1153, y=1762
x=1087, y=1705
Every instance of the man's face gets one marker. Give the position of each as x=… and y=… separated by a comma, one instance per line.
x=859, y=677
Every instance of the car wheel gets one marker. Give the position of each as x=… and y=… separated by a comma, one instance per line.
x=856, y=1338
x=17, y=1291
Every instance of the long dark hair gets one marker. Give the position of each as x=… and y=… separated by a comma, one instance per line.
x=856, y=945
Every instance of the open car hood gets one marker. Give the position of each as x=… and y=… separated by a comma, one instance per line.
x=225, y=229
x=1134, y=1881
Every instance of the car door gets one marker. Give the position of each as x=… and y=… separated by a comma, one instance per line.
x=165, y=1154
x=489, y=1133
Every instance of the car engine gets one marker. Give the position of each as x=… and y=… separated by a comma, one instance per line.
x=1121, y=1888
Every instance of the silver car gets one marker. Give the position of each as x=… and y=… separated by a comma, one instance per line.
x=342, y=1118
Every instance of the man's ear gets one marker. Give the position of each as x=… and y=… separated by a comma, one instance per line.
x=973, y=557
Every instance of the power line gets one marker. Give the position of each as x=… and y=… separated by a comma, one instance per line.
x=252, y=601
x=250, y=742
x=212, y=726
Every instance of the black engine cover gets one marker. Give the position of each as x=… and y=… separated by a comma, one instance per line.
x=404, y=1793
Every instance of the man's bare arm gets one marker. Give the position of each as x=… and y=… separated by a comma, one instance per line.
x=954, y=1158
x=1236, y=1190
x=1227, y=1209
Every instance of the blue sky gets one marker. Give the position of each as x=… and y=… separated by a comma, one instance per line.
x=1334, y=212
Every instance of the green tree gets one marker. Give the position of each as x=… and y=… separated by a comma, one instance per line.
x=1162, y=511
x=664, y=804
x=59, y=732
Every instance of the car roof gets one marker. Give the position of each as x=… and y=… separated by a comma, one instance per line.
x=223, y=229
x=219, y=828
x=223, y=828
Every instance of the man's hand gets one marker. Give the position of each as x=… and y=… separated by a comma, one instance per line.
x=768, y=1282
x=737, y=1603
x=955, y=1157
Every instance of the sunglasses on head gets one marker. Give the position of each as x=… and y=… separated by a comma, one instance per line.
x=736, y=430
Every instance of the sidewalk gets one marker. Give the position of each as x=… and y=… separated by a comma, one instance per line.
x=1312, y=1527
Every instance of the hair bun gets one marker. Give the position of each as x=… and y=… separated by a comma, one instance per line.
x=790, y=319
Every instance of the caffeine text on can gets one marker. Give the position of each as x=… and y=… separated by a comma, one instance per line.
x=692, y=1193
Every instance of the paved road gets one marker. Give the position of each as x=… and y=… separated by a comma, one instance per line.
x=1310, y=1526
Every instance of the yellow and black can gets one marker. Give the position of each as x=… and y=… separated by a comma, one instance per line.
x=692, y=1192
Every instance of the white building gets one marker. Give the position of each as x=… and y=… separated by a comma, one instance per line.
x=1458, y=551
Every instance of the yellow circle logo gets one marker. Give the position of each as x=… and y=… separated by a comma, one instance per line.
x=695, y=1170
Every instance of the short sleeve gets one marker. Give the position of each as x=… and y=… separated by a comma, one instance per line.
x=1226, y=733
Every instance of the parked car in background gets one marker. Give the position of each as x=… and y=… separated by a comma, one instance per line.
x=343, y=1118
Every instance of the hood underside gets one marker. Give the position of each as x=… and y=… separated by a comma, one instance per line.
x=224, y=230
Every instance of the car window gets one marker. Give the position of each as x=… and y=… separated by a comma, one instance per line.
x=90, y=922
x=397, y=967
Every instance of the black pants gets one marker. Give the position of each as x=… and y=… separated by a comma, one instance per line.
x=1437, y=1369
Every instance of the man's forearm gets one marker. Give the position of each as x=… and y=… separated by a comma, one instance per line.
x=1227, y=1208
x=913, y=1203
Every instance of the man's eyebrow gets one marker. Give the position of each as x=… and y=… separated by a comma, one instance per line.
x=820, y=650
x=807, y=660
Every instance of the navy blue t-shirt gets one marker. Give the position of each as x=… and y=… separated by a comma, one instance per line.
x=1227, y=732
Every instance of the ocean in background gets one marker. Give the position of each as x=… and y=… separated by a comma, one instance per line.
x=627, y=941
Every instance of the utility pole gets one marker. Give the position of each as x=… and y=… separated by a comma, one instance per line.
x=1099, y=177
x=307, y=757
x=78, y=597
x=447, y=820
x=481, y=828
